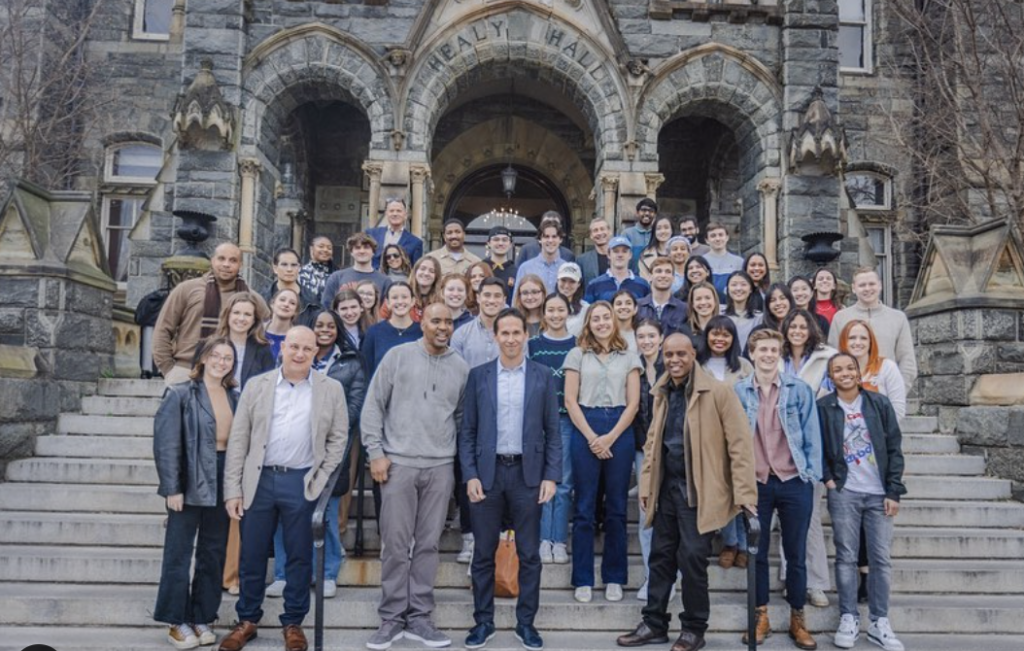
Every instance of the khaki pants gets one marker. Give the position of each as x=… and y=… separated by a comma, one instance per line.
x=346, y=499
x=177, y=375
x=230, y=579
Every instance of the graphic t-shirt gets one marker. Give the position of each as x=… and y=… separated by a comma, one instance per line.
x=859, y=453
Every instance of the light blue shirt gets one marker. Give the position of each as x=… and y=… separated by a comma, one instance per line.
x=548, y=271
x=511, y=394
x=475, y=343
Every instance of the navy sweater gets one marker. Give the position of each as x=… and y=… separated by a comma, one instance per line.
x=382, y=337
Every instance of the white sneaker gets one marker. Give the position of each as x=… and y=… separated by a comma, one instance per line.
x=672, y=595
x=583, y=594
x=546, y=552
x=275, y=589
x=817, y=598
x=560, y=553
x=848, y=632
x=182, y=636
x=466, y=554
x=613, y=592
x=205, y=634
x=880, y=633
x=330, y=588
x=641, y=594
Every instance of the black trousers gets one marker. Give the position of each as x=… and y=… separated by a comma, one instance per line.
x=677, y=546
x=509, y=496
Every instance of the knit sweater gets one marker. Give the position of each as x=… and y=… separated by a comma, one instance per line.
x=551, y=353
x=892, y=330
x=382, y=337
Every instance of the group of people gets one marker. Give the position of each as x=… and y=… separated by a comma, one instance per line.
x=538, y=391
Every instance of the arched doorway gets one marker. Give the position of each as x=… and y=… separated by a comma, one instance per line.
x=699, y=159
x=479, y=202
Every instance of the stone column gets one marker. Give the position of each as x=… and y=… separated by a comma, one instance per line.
x=374, y=170
x=177, y=21
x=769, y=189
x=249, y=169
x=609, y=191
x=653, y=181
x=419, y=175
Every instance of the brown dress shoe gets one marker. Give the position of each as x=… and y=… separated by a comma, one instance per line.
x=762, y=628
x=689, y=641
x=741, y=560
x=294, y=638
x=239, y=636
x=640, y=636
x=798, y=631
x=727, y=557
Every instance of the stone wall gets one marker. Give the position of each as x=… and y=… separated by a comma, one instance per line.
x=998, y=434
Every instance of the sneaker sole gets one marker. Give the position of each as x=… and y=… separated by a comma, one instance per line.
x=182, y=645
x=383, y=646
x=478, y=646
x=433, y=644
x=848, y=646
x=877, y=642
x=526, y=646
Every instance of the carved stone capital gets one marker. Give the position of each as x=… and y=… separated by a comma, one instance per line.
x=653, y=181
x=419, y=173
x=609, y=182
x=249, y=167
x=769, y=187
x=374, y=169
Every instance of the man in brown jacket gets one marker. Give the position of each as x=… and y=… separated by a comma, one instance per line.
x=192, y=311
x=698, y=472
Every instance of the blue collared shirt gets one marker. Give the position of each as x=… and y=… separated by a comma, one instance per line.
x=603, y=288
x=475, y=343
x=511, y=394
x=548, y=271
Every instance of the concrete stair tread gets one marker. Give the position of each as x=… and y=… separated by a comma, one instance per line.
x=152, y=638
x=136, y=387
x=105, y=425
x=120, y=405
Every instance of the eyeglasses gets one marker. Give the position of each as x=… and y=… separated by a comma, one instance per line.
x=392, y=256
x=531, y=292
x=227, y=359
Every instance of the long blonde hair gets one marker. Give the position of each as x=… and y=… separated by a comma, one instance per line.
x=589, y=343
x=256, y=330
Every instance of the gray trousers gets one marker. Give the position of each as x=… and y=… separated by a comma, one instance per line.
x=414, y=505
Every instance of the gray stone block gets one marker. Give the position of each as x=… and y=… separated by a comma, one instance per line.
x=984, y=426
x=20, y=292
x=945, y=389
x=1007, y=463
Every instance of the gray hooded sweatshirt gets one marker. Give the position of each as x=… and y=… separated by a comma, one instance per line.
x=414, y=406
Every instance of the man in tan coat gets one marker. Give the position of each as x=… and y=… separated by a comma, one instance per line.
x=288, y=436
x=698, y=472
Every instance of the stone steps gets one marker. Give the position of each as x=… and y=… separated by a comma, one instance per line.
x=153, y=638
x=120, y=406
x=105, y=425
x=37, y=604
x=930, y=444
x=132, y=388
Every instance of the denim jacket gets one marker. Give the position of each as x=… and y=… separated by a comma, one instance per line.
x=798, y=414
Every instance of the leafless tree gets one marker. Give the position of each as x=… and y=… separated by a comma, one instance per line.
x=963, y=64
x=49, y=90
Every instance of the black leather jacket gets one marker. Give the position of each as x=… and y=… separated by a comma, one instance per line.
x=185, y=443
x=347, y=368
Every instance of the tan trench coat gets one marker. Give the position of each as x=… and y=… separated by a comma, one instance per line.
x=720, y=454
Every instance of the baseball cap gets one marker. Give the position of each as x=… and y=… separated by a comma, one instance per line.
x=570, y=270
x=498, y=230
x=619, y=240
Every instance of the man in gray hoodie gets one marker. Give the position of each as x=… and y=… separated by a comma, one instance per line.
x=409, y=426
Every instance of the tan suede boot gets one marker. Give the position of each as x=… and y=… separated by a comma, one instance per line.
x=798, y=631
x=762, y=628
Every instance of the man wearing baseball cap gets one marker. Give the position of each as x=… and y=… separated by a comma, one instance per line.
x=619, y=276
x=499, y=243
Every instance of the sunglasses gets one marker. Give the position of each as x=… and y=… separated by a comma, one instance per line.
x=392, y=256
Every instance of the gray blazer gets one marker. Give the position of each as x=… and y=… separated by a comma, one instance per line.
x=250, y=432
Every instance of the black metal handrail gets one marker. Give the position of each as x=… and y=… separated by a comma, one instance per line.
x=753, y=527
x=319, y=533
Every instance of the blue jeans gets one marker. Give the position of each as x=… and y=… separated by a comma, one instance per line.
x=334, y=553
x=793, y=500
x=850, y=510
x=587, y=469
x=554, y=518
x=734, y=534
x=643, y=534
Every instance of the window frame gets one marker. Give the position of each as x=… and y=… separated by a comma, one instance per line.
x=867, y=40
x=139, y=32
x=116, y=187
x=884, y=259
x=107, y=229
x=108, y=164
x=887, y=202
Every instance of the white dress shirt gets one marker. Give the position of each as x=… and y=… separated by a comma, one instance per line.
x=511, y=394
x=290, y=442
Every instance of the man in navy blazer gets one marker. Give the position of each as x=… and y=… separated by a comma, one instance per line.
x=395, y=215
x=510, y=450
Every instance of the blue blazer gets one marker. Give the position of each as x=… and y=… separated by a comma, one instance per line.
x=478, y=436
x=413, y=245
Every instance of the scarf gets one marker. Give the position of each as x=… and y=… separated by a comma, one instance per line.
x=211, y=305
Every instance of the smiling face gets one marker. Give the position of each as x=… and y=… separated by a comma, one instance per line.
x=645, y=216
x=368, y=295
x=454, y=294
x=567, y=287
x=476, y=276
x=858, y=342
x=499, y=245
x=511, y=337
x=491, y=300
x=297, y=351
x=601, y=323
x=285, y=305
x=425, y=275
x=361, y=252
x=227, y=260
x=695, y=272
x=395, y=213
x=824, y=282
x=679, y=252
x=287, y=268
x=550, y=240
x=678, y=356
x=778, y=305
x=321, y=250
x=600, y=232
x=703, y=302
x=556, y=313
x=218, y=363
x=799, y=332
x=399, y=300
x=326, y=330
x=618, y=258
x=648, y=340
x=241, y=318
x=765, y=355
x=531, y=294
x=718, y=239
x=867, y=288
x=756, y=268
x=625, y=308
x=802, y=293
x=845, y=372
x=437, y=327
x=662, y=277
x=454, y=236
x=350, y=311
x=392, y=257
x=688, y=229
x=739, y=290
x=663, y=231
x=719, y=342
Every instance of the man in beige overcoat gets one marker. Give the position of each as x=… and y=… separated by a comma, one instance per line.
x=698, y=472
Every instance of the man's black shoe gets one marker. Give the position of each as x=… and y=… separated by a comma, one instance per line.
x=642, y=635
x=479, y=635
x=689, y=641
x=529, y=637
